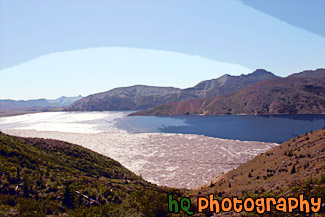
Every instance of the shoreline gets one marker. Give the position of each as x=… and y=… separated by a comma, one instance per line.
x=239, y=114
x=166, y=159
x=10, y=114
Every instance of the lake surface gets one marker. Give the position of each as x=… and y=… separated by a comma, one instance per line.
x=271, y=128
x=268, y=128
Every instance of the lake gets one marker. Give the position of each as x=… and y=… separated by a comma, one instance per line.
x=268, y=128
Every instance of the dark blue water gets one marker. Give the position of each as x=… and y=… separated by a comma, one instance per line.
x=269, y=128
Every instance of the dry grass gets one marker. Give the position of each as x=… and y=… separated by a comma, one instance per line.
x=292, y=163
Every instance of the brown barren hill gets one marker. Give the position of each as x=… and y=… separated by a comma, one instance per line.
x=140, y=97
x=291, y=95
x=296, y=162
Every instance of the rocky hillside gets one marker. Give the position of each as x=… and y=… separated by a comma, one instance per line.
x=291, y=95
x=128, y=98
x=143, y=97
x=292, y=168
x=43, y=177
x=228, y=83
x=292, y=163
x=310, y=74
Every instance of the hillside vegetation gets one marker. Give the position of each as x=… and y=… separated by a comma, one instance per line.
x=40, y=177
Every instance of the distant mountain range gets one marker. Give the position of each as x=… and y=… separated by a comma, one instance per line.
x=143, y=97
x=259, y=92
x=63, y=101
x=60, y=102
x=301, y=93
x=8, y=107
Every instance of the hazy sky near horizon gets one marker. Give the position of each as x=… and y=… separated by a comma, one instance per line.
x=54, y=48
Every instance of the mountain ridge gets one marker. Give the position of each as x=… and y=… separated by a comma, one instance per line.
x=139, y=97
x=310, y=73
x=64, y=101
x=16, y=107
x=59, y=102
x=290, y=95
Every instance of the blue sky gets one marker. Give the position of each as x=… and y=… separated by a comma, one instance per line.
x=54, y=48
x=306, y=14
